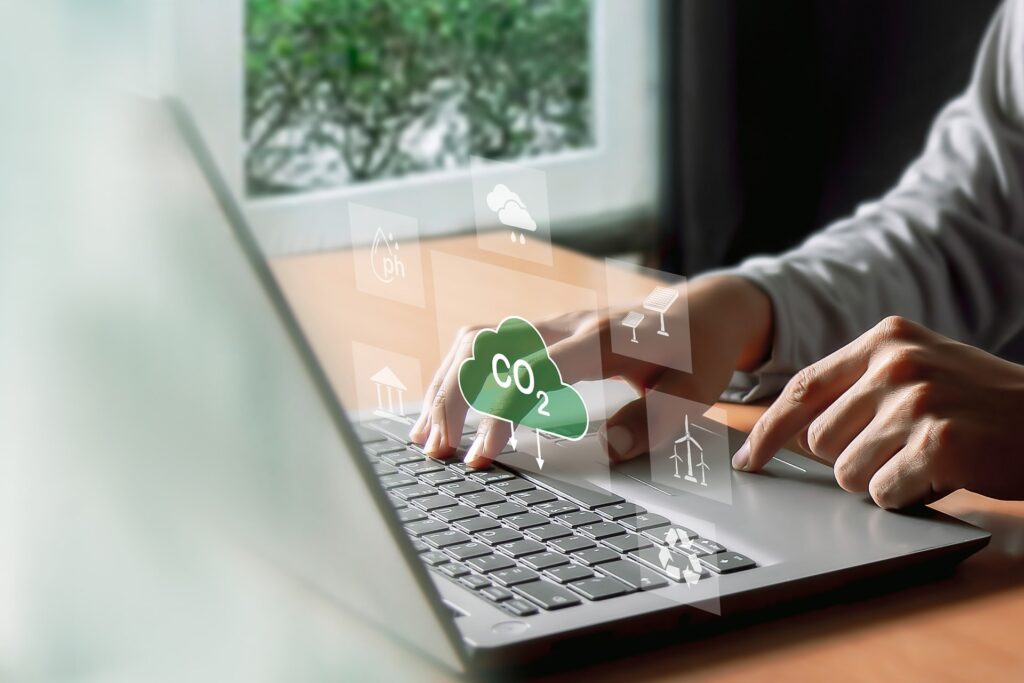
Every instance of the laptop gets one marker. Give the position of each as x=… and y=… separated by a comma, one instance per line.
x=513, y=566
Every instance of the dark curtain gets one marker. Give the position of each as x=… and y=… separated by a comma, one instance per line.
x=782, y=116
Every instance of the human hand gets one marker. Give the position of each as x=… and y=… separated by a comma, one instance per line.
x=730, y=325
x=905, y=414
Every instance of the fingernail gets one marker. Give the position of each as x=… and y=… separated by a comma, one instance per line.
x=619, y=440
x=417, y=428
x=471, y=455
x=739, y=461
x=434, y=440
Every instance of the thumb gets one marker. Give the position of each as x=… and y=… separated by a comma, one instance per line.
x=642, y=424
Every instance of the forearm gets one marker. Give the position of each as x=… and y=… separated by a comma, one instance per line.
x=944, y=248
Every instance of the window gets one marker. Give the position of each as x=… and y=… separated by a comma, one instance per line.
x=348, y=92
x=310, y=104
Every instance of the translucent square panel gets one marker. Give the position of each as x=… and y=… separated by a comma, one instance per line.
x=689, y=449
x=392, y=266
x=494, y=318
x=511, y=206
x=388, y=384
x=649, y=315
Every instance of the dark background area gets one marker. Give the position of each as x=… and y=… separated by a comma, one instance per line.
x=783, y=116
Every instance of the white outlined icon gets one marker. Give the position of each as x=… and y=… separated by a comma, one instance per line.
x=690, y=571
x=511, y=211
x=659, y=301
x=384, y=260
x=388, y=383
x=632, y=321
x=690, y=442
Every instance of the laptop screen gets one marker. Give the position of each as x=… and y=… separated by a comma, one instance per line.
x=299, y=493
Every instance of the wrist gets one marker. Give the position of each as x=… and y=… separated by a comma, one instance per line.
x=738, y=312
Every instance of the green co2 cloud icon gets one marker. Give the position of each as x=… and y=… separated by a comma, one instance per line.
x=510, y=376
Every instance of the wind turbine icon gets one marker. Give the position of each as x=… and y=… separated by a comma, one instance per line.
x=690, y=442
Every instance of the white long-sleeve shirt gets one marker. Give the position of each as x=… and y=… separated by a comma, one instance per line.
x=945, y=247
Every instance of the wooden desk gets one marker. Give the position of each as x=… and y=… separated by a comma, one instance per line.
x=968, y=627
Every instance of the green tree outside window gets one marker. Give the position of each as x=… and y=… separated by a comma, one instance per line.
x=348, y=91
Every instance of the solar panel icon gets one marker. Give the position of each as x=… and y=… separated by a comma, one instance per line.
x=632, y=321
x=659, y=301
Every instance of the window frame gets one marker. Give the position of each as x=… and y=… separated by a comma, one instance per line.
x=583, y=185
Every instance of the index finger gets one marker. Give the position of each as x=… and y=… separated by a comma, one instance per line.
x=808, y=393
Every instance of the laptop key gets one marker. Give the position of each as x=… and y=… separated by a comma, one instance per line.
x=643, y=522
x=456, y=513
x=417, y=491
x=383, y=470
x=547, y=595
x=424, y=527
x=659, y=534
x=568, y=573
x=572, y=544
x=727, y=562
x=367, y=435
x=600, y=588
x=548, y=532
x=633, y=575
x=491, y=476
x=522, y=548
x=514, y=576
x=577, y=519
x=627, y=543
x=410, y=515
x=474, y=582
x=432, y=503
x=397, y=502
x=421, y=467
x=442, y=477
x=379, y=448
x=619, y=511
x=705, y=546
x=393, y=481
x=526, y=521
x=499, y=536
x=485, y=564
x=675, y=563
x=534, y=497
x=585, y=497
x=401, y=457
x=434, y=557
x=442, y=539
x=519, y=607
x=503, y=510
x=496, y=593
x=545, y=560
x=453, y=569
x=555, y=508
x=600, y=530
x=399, y=431
x=483, y=498
x=467, y=551
x=512, y=486
x=595, y=556
x=461, y=488
x=476, y=524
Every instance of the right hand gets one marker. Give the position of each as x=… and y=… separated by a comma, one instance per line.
x=730, y=328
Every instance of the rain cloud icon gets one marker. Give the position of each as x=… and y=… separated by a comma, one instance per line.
x=511, y=210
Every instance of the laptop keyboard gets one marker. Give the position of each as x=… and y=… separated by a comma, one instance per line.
x=526, y=542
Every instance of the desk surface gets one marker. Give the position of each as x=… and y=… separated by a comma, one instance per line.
x=966, y=627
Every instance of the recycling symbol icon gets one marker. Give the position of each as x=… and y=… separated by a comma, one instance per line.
x=690, y=571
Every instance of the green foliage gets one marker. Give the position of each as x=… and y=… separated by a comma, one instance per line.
x=356, y=90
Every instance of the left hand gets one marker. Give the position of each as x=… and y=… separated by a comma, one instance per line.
x=905, y=414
